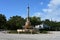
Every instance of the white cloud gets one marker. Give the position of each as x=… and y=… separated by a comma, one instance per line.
x=39, y=14
x=53, y=10
x=47, y=10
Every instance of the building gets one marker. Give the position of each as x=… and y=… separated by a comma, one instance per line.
x=42, y=26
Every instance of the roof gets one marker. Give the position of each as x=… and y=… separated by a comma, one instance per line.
x=42, y=26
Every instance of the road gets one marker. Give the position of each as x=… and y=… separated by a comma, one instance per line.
x=53, y=36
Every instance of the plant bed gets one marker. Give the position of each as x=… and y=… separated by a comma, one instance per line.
x=44, y=32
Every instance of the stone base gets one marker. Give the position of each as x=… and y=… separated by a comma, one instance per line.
x=26, y=31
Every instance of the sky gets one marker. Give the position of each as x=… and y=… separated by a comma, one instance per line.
x=45, y=9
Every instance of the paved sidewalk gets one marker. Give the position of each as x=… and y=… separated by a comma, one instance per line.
x=53, y=36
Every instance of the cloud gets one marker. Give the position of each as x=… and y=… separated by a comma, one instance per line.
x=39, y=14
x=53, y=10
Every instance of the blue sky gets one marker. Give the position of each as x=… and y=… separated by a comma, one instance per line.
x=46, y=9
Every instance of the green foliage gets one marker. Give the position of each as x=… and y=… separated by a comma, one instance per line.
x=44, y=31
x=53, y=24
x=2, y=21
x=16, y=22
x=35, y=20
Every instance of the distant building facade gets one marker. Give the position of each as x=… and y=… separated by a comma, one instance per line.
x=42, y=26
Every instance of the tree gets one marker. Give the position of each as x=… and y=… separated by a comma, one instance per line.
x=2, y=21
x=47, y=21
x=53, y=24
x=15, y=22
x=35, y=20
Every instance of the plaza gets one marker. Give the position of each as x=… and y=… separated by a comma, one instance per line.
x=54, y=35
